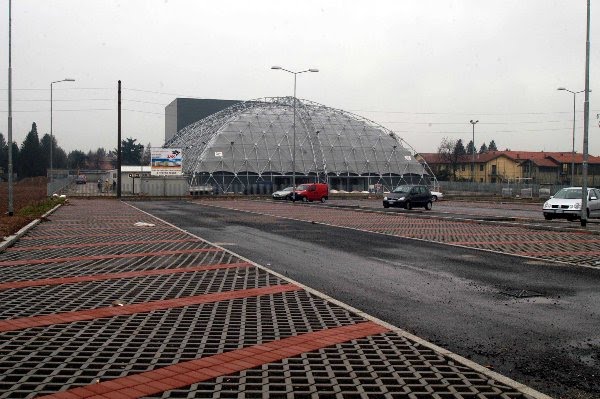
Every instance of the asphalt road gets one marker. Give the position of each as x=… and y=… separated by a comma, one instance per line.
x=448, y=295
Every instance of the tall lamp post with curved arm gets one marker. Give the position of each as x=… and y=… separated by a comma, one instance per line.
x=51, y=139
x=573, y=148
x=473, y=163
x=294, y=125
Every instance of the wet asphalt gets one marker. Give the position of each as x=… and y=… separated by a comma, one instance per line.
x=454, y=297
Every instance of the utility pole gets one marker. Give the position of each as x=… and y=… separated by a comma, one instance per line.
x=586, y=119
x=119, y=143
x=10, y=157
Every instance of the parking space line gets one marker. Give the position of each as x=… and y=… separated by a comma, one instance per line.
x=115, y=276
x=91, y=314
x=203, y=369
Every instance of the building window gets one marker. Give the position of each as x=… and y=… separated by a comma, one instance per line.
x=481, y=168
x=462, y=167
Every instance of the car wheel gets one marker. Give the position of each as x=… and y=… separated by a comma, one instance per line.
x=434, y=198
x=408, y=205
x=304, y=199
x=571, y=218
x=547, y=217
x=323, y=199
x=428, y=206
x=386, y=205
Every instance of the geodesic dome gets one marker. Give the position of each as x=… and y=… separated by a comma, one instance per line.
x=251, y=144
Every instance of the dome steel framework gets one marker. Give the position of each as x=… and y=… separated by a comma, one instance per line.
x=248, y=148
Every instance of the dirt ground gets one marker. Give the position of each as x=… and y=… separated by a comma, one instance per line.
x=25, y=192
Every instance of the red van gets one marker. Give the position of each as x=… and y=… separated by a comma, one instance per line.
x=312, y=192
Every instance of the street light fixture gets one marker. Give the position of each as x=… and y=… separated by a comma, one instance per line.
x=294, y=125
x=573, y=148
x=51, y=136
x=473, y=162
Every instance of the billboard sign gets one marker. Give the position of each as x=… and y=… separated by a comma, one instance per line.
x=166, y=162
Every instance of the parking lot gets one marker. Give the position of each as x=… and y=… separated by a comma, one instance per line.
x=103, y=300
x=558, y=241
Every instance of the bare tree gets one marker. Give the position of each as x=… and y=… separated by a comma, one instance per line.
x=446, y=152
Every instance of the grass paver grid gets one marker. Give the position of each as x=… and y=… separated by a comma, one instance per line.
x=165, y=329
x=569, y=247
x=113, y=265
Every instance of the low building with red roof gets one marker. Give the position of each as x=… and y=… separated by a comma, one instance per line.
x=511, y=166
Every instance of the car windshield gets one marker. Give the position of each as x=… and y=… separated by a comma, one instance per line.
x=568, y=193
x=402, y=189
x=287, y=189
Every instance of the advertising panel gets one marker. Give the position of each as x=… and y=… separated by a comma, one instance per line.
x=166, y=161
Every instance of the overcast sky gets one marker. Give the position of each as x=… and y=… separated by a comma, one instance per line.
x=420, y=68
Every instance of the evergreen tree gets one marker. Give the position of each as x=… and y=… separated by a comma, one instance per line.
x=95, y=159
x=31, y=161
x=492, y=146
x=131, y=153
x=45, y=151
x=76, y=160
x=483, y=148
x=59, y=157
x=459, y=148
x=3, y=154
x=470, y=147
x=16, y=157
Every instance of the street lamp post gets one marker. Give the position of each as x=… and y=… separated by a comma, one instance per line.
x=473, y=163
x=10, y=162
x=51, y=137
x=294, y=126
x=586, y=119
x=573, y=148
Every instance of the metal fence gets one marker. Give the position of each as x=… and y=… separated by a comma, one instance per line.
x=59, y=186
x=522, y=190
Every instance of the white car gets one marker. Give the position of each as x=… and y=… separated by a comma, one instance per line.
x=436, y=195
x=566, y=204
x=284, y=194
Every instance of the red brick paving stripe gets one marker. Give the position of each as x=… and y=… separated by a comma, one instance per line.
x=91, y=314
x=54, y=237
x=100, y=257
x=115, y=276
x=99, y=244
x=190, y=372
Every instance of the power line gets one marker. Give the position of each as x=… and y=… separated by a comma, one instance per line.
x=64, y=88
x=66, y=100
x=482, y=123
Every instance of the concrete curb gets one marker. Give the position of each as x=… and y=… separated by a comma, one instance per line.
x=10, y=240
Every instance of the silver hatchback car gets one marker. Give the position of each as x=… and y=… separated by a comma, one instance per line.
x=566, y=204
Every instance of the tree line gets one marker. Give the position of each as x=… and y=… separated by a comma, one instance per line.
x=32, y=158
x=453, y=152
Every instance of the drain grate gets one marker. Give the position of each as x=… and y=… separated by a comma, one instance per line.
x=520, y=293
